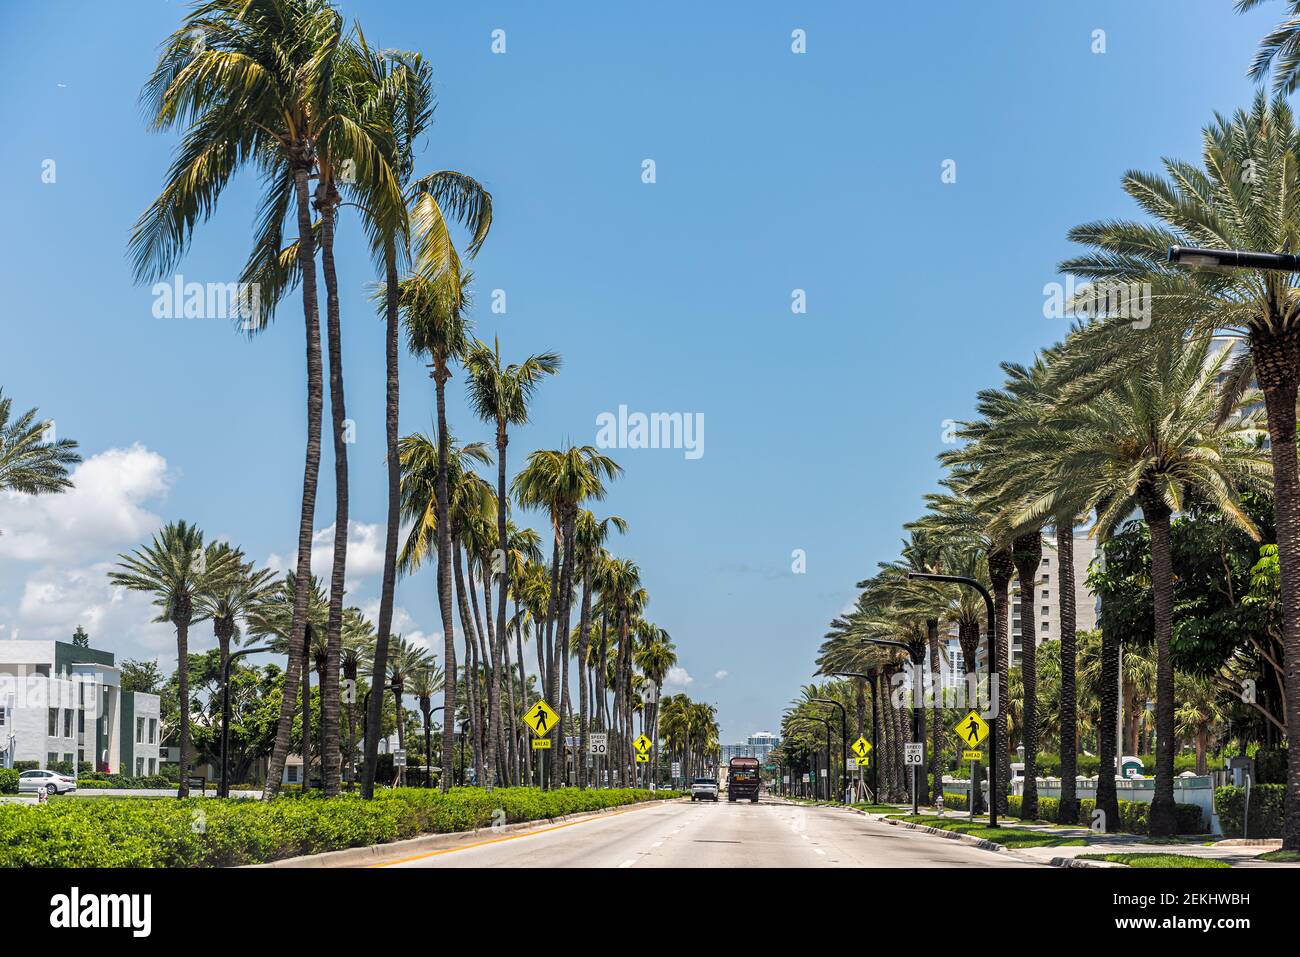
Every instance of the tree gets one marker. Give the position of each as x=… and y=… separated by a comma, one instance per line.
x=143, y=676
x=501, y=395
x=1146, y=443
x=80, y=638
x=176, y=569
x=560, y=480
x=1246, y=196
x=251, y=81
x=1279, y=51
x=31, y=460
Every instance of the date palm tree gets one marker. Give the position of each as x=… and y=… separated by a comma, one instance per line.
x=251, y=82
x=1279, y=51
x=1145, y=444
x=176, y=569
x=1246, y=195
x=30, y=461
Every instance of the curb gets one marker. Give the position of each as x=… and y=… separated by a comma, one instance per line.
x=377, y=853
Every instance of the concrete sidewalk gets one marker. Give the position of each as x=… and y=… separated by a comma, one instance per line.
x=1232, y=852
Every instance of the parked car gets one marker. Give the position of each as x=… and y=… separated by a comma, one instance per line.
x=30, y=782
x=704, y=789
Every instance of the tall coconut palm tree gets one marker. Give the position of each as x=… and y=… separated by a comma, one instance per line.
x=403, y=105
x=30, y=462
x=424, y=684
x=1145, y=444
x=406, y=660
x=428, y=471
x=1246, y=196
x=358, y=646
x=251, y=82
x=501, y=395
x=175, y=568
x=590, y=534
x=560, y=480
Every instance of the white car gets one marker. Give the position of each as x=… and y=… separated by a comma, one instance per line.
x=31, y=782
x=704, y=789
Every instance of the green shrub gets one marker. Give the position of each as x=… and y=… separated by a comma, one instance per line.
x=954, y=800
x=9, y=781
x=1267, y=803
x=1270, y=766
x=199, y=832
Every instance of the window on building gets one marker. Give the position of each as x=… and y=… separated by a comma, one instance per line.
x=1045, y=626
x=81, y=757
x=1046, y=562
x=139, y=730
x=51, y=759
x=1045, y=579
x=1047, y=610
x=292, y=773
x=139, y=767
x=67, y=722
x=4, y=717
x=1047, y=593
x=54, y=722
x=67, y=758
x=81, y=722
x=153, y=730
x=153, y=765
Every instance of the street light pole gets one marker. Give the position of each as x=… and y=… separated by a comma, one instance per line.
x=224, y=790
x=991, y=637
x=844, y=737
x=825, y=721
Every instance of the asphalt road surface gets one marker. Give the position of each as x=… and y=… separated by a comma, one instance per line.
x=682, y=834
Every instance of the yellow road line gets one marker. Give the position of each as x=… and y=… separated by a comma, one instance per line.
x=515, y=837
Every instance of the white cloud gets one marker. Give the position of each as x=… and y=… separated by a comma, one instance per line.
x=365, y=550
x=720, y=676
x=677, y=677
x=56, y=600
x=405, y=625
x=104, y=511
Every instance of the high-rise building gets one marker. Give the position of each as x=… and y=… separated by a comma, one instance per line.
x=758, y=745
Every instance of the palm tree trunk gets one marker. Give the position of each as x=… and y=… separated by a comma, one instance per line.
x=503, y=544
x=1108, y=728
x=483, y=649
x=562, y=629
x=441, y=375
x=183, y=678
x=584, y=623
x=306, y=712
x=311, y=469
x=1068, y=811
x=968, y=634
x=1028, y=556
x=401, y=729
x=1162, y=818
x=388, y=587
x=329, y=680
x=471, y=667
x=1001, y=568
x=1277, y=368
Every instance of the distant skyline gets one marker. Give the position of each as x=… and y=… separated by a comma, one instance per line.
x=909, y=180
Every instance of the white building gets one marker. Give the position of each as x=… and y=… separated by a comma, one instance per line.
x=63, y=704
x=758, y=745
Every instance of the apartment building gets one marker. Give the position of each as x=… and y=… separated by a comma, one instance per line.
x=63, y=703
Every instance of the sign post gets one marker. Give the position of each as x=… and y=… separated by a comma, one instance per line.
x=541, y=720
x=914, y=757
x=972, y=730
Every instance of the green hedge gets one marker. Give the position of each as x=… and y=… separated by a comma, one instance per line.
x=199, y=832
x=9, y=781
x=1267, y=806
x=121, y=781
x=1132, y=814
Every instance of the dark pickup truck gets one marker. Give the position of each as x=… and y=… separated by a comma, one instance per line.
x=742, y=779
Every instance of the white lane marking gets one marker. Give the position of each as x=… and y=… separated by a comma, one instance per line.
x=628, y=863
x=820, y=851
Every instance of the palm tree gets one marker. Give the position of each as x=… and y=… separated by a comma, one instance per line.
x=1200, y=713
x=175, y=568
x=1146, y=443
x=273, y=617
x=589, y=539
x=1279, y=51
x=29, y=462
x=500, y=395
x=1247, y=196
x=405, y=662
x=619, y=583
x=424, y=684
x=434, y=301
x=256, y=90
x=560, y=480
x=358, y=645
x=227, y=601
x=403, y=106
x=427, y=472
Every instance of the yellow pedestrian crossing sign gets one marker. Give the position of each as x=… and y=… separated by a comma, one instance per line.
x=642, y=745
x=972, y=729
x=541, y=718
x=862, y=748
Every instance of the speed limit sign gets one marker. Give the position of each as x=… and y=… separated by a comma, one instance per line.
x=596, y=743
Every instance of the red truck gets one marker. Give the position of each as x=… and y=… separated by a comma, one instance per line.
x=742, y=779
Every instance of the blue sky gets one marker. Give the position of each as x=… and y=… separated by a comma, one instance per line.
x=775, y=172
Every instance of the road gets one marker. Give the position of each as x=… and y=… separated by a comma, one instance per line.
x=682, y=834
